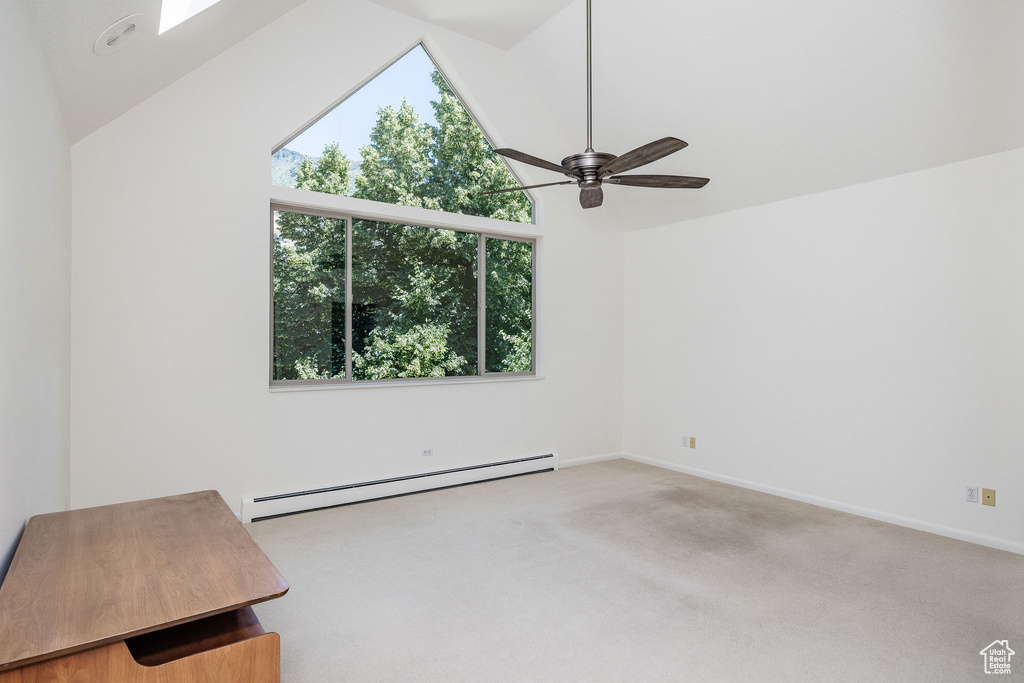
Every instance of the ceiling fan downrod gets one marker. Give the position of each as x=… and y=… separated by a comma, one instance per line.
x=590, y=169
x=590, y=90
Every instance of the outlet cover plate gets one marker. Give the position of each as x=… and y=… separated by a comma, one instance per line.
x=988, y=497
x=973, y=494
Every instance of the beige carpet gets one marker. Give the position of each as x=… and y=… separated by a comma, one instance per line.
x=623, y=572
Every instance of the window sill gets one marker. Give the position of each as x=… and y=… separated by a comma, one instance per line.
x=378, y=384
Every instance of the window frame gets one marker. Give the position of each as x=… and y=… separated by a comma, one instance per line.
x=347, y=381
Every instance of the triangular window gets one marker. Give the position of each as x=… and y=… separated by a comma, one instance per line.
x=403, y=138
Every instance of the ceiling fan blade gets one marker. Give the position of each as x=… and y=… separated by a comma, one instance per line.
x=524, y=187
x=591, y=198
x=640, y=156
x=684, y=181
x=532, y=160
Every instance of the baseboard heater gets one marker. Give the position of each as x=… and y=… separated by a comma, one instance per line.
x=255, y=509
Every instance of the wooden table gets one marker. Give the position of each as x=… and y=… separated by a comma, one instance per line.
x=156, y=591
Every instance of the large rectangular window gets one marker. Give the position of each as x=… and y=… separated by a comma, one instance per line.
x=358, y=300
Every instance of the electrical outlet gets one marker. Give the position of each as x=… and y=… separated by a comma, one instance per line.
x=973, y=495
x=686, y=442
x=427, y=452
x=988, y=497
x=693, y=442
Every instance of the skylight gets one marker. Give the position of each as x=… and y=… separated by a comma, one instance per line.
x=173, y=12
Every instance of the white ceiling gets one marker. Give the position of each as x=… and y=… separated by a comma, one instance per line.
x=776, y=99
x=781, y=99
x=94, y=90
x=501, y=23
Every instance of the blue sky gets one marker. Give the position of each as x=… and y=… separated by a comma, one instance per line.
x=349, y=124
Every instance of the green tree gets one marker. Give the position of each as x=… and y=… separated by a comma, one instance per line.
x=462, y=164
x=309, y=279
x=420, y=352
x=409, y=282
x=395, y=164
x=442, y=167
x=509, y=318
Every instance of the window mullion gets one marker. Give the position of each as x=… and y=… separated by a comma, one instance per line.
x=481, y=302
x=348, y=299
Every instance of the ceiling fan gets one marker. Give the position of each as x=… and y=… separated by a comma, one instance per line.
x=590, y=169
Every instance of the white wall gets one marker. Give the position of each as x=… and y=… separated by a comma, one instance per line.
x=862, y=348
x=35, y=187
x=170, y=308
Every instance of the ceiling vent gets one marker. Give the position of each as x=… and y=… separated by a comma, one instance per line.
x=118, y=35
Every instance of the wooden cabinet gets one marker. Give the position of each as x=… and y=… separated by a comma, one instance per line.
x=155, y=591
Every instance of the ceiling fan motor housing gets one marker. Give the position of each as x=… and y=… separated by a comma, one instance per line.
x=586, y=166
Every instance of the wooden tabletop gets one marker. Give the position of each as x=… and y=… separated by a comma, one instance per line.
x=88, y=577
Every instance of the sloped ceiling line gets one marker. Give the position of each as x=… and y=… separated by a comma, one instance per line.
x=776, y=100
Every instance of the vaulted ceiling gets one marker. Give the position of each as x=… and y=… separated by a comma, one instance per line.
x=782, y=99
x=502, y=24
x=94, y=90
x=776, y=99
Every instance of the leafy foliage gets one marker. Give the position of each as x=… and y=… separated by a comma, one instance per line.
x=463, y=164
x=509, y=305
x=309, y=290
x=414, y=311
x=420, y=352
x=406, y=279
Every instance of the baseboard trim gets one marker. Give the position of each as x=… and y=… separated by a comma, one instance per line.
x=909, y=522
x=586, y=460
